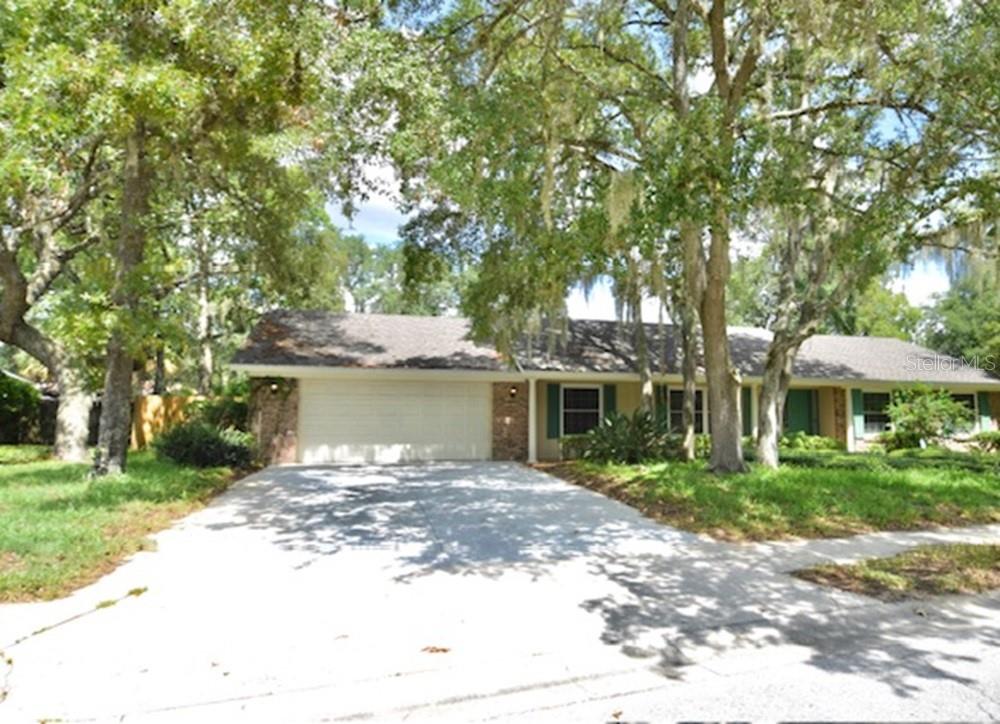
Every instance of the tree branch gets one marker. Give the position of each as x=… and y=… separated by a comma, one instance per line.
x=720, y=53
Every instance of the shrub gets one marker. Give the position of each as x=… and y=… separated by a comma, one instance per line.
x=803, y=441
x=632, y=439
x=222, y=412
x=988, y=441
x=572, y=447
x=623, y=439
x=201, y=445
x=19, y=405
x=922, y=414
x=702, y=447
x=893, y=440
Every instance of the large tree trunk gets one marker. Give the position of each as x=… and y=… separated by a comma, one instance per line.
x=647, y=401
x=206, y=359
x=73, y=411
x=689, y=370
x=72, y=417
x=773, y=392
x=160, y=369
x=690, y=236
x=116, y=402
x=723, y=378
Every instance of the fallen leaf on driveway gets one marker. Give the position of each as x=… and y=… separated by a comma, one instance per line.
x=435, y=649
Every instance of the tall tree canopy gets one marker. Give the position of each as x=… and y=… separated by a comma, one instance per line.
x=174, y=135
x=695, y=120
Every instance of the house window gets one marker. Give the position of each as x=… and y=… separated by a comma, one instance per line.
x=970, y=402
x=581, y=409
x=875, y=407
x=676, y=398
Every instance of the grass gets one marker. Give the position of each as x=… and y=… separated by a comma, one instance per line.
x=60, y=530
x=924, y=571
x=17, y=454
x=815, y=495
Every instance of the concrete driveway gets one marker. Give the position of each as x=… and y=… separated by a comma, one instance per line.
x=489, y=591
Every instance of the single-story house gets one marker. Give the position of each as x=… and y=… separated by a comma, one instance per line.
x=387, y=388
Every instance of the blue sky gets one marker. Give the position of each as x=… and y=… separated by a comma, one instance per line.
x=377, y=220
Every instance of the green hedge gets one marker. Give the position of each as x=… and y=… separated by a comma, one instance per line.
x=19, y=406
x=201, y=445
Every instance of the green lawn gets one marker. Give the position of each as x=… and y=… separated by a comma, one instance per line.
x=59, y=530
x=10, y=454
x=818, y=495
x=927, y=570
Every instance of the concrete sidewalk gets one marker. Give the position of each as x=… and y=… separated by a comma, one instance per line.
x=477, y=592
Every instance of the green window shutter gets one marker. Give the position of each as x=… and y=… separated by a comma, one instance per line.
x=814, y=413
x=660, y=398
x=985, y=416
x=553, y=409
x=610, y=399
x=745, y=394
x=858, y=405
x=798, y=416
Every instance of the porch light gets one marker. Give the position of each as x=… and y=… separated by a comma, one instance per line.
x=512, y=391
x=274, y=388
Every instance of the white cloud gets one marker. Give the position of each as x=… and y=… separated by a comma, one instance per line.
x=921, y=282
x=600, y=304
x=377, y=218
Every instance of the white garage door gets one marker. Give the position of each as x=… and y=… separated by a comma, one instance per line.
x=386, y=422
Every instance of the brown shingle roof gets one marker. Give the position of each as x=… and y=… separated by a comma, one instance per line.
x=326, y=339
x=398, y=341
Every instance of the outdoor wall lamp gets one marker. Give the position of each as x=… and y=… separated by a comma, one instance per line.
x=274, y=388
x=512, y=391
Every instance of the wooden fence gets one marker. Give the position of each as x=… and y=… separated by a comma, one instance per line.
x=152, y=414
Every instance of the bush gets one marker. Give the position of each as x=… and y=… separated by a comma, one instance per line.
x=201, y=445
x=803, y=441
x=922, y=414
x=623, y=439
x=632, y=439
x=988, y=441
x=893, y=440
x=222, y=412
x=572, y=447
x=702, y=447
x=19, y=405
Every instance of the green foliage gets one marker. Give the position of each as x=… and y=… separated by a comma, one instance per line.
x=227, y=408
x=248, y=135
x=573, y=447
x=988, y=441
x=893, y=440
x=223, y=413
x=876, y=311
x=923, y=414
x=823, y=495
x=960, y=568
x=635, y=438
x=20, y=454
x=965, y=322
x=384, y=278
x=749, y=293
x=60, y=530
x=629, y=439
x=799, y=440
x=19, y=404
x=201, y=445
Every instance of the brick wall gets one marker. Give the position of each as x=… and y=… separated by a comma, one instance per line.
x=510, y=421
x=274, y=418
x=840, y=420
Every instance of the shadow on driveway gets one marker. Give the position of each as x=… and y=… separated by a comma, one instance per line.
x=672, y=598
